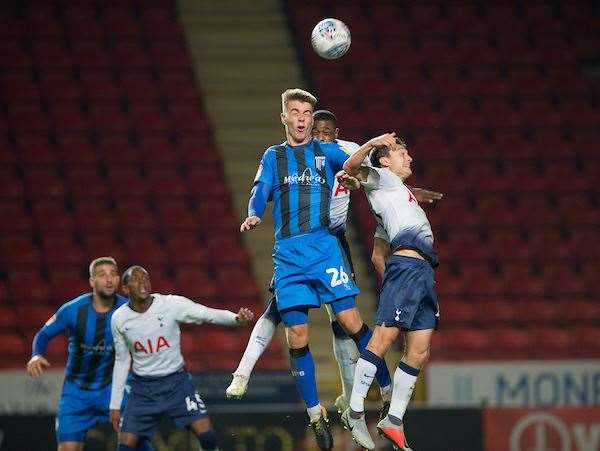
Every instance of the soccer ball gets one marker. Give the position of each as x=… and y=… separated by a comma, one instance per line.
x=330, y=38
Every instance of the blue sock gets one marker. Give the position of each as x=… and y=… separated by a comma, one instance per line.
x=361, y=338
x=208, y=440
x=121, y=447
x=145, y=444
x=303, y=370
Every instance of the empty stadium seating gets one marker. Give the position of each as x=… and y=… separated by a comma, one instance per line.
x=505, y=122
x=106, y=150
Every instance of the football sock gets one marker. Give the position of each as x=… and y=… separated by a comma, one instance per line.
x=208, y=440
x=405, y=377
x=261, y=335
x=361, y=338
x=346, y=355
x=303, y=370
x=144, y=444
x=366, y=367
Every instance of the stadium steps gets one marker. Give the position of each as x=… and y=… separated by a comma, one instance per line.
x=243, y=58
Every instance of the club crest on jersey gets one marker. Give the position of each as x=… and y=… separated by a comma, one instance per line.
x=320, y=162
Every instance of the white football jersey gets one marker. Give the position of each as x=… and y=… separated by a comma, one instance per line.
x=152, y=338
x=340, y=196
x=401, y=220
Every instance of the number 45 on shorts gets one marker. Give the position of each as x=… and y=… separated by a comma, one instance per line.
x=338, y=276
x=198, y=404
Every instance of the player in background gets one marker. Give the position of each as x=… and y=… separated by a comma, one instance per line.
x=86, y=390
x=310, y=267
x=408, y=300
x=146, y=330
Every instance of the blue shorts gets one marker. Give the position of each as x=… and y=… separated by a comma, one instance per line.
x=311, y=270
x=408, y=299
x=152, y=397
x=299, y=315
x=80, y=410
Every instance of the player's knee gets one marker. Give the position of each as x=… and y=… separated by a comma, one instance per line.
x=417, y=357
x=351, y=321
x=297, y=336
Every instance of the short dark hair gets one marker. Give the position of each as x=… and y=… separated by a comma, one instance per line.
x=382, y=151
x=324, y=115
x=128, y=272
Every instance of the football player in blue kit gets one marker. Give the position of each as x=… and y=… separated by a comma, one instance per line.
x=310, y=268
x=84, y=402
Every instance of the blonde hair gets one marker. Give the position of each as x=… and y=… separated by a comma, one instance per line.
x=297, y=94
x=101, y=261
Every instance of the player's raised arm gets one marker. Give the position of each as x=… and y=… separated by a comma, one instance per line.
x=53, y=327
x=120, y=372
x=189, y=311
x=354, y=165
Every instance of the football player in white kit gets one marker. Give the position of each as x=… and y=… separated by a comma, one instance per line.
x=147, y=330
x=408, y=300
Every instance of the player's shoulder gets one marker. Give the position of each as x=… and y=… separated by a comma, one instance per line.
x=348, y=146
x=77, y=302
x=121, y=300
x=271, y=151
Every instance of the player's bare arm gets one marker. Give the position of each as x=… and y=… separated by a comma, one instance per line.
x=353, y=165
x=115, y=419
x=381, y=252
x=35, y=366
x=426, y=196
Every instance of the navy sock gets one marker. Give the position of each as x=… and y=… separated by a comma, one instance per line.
x=145, y=444
x=121, y=447
x=208, y=440
x=303, y=370
x=361, y=338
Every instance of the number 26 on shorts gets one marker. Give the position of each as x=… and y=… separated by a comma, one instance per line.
x=338, y=276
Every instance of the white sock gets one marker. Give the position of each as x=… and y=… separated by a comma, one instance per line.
x=314, y=413
x=404, y=384
x=346, y=354
x=386, y=393
x=261, y=336
x=363, y=378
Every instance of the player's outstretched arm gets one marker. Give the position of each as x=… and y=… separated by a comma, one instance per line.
x=381, y=252
x=189, y=311
x=426, y=196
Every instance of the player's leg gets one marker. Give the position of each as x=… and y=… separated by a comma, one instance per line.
x=74, y=418
x=261, y=336
x=350, y=318
x=346, y=354
x=205, y=434
x=144, y=443
x=187, y=409
x=303, y=369
x=419, y=306
x=140, y=415
x=70, y=446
